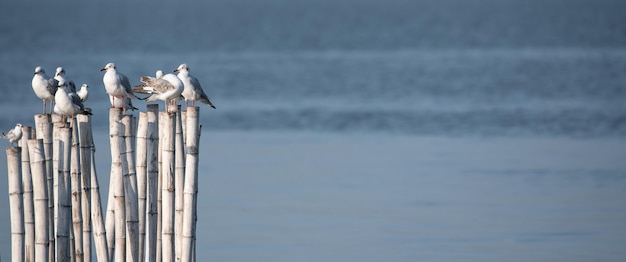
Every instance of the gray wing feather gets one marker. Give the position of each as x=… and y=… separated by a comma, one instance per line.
x=202, y=96
x=52, y=86
x=127, y=87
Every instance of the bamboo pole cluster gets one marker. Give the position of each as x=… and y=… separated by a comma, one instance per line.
x=150, y=214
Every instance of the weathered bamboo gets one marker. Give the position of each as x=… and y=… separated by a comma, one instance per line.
x=130, y=190
x=43, y=125
x=116, y=188
x=27, y=189
x=183, y=117
x=152, y=148
x=77, y=215
x=56, y=124
x=62, y=148
x=179, y=181
x=99, y=233
x=167, y=187
x=15, y=202
x=142, y=166
x=159, y=251
x=191, y=183
x=84, y=131
x=40, y=196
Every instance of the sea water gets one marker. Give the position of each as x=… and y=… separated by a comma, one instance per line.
x=367, y=130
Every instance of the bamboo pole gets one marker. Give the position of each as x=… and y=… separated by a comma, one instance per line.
x=62, y=149
x=179, y=181
x=99, y=233
x=191, y=183
x=15, y=202
x=77, y=216
x=56, y=124
x=142, y=167
x=115, y=173
x=167, y=187
x=27, y=189
x=40, y=196
x=159, y=251
x=43, y=125
x=116, y=189
x=84, y=131
x=130, y=191
x=152, y=150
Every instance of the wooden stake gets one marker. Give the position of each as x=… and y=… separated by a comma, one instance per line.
x=40, y=196
x=115, y=179
x=130, y=190
x=15, y=202
x=84, y=131
x=62, y=149
x=43, y=125
x=167, y=187
x=142, y=166
x=99, y=233
x=77, y=216
x=152, y=148
x=191, y=183
x=179, y=180
x=27, y=189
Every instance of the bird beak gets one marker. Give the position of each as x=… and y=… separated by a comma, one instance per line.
x=176, y=70
x=103, y=69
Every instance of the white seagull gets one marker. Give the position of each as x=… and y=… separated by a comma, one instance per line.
x=60, y=76
x=193, y=90
x=68, y=103
x=14, y=134
x=83, y=92
x=44, y=87
x=116, y=84
x=166, y=88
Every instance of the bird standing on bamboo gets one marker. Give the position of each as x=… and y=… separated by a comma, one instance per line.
x=14, y=134
x=116, y=84
x=68, y=103
x=44, y=87
x=192, y=90
x=167, y=88
x=63, y=79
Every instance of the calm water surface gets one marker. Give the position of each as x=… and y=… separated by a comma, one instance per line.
x=360, y=130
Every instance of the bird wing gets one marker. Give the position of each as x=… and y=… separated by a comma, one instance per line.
x=200, y=92
x=77, y=101
x=72, y=86
x=153, y=85
x=52, y=86
x=126, y=84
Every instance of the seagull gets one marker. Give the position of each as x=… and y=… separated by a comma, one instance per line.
x=44, y=87
x=166, y=88
x=68, y=103
x=116, y=84
x=126, y=104
x=14, y=134
x=193, y=91
x=83, y=92
x=60, y=76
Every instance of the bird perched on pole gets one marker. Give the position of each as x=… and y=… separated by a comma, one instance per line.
x=68, y=103
x=14, y=134
x=116, y=84
x=193, y=90
x=60, y=76
x=83, y=92
x=167, y=88
x=44, y=87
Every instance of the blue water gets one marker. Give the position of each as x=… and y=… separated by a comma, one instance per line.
x=422, y=79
